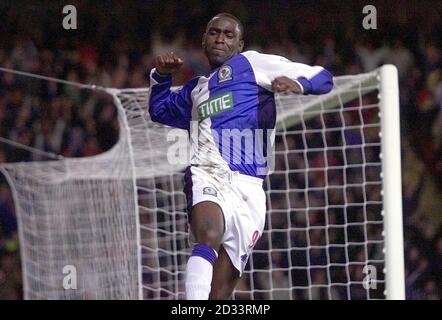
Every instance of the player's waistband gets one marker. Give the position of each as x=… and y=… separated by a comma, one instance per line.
x=235, y=175
x=229, y=175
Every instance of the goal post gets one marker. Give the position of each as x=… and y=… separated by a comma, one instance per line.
x=334, y=216
x=392, y=182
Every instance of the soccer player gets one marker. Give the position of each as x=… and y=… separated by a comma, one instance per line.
x=224, y=183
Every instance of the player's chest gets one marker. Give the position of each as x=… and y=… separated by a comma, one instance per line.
x=214, y=98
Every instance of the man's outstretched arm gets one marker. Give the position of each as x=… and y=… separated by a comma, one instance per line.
x=320, y=83
x=281, y=75
x=167, y=107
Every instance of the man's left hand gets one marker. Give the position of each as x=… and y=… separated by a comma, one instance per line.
x=284, y=86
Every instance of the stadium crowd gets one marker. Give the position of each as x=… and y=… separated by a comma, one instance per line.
x=115, y=48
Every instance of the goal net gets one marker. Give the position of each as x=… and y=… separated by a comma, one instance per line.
x=118, y=220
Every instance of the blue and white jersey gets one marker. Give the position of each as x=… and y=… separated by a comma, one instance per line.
x=230, y=113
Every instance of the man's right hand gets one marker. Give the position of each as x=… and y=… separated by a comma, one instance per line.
x=168, y=63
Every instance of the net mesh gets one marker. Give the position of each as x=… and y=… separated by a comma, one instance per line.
x=120, y=217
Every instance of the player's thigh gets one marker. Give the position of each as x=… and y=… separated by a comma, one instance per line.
x=207, y=223
x=225, y=277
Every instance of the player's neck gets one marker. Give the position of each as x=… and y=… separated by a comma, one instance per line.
x=216, y=64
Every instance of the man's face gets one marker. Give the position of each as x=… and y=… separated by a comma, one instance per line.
x=222, y=40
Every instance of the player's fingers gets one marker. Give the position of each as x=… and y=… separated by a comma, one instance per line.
x=282, y=81
x=278, y=86
x=178, y=62
x=172, y=58
x=167, y=58
x=277, y=81
x=160, y=60
x=176, y=59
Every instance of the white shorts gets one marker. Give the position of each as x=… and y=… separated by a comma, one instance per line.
x=243, y=203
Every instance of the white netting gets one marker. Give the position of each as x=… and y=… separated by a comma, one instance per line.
x=324, y=222
x=80, y=213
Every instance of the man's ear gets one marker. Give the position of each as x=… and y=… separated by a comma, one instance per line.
x=241, y=45
x=203, y=41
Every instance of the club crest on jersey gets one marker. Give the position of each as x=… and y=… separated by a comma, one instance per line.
x=225, y=73
x=210, y=191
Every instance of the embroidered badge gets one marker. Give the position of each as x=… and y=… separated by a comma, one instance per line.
x=210, y=191
x=225, y=73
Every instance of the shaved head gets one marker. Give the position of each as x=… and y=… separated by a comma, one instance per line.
x=230, y=16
